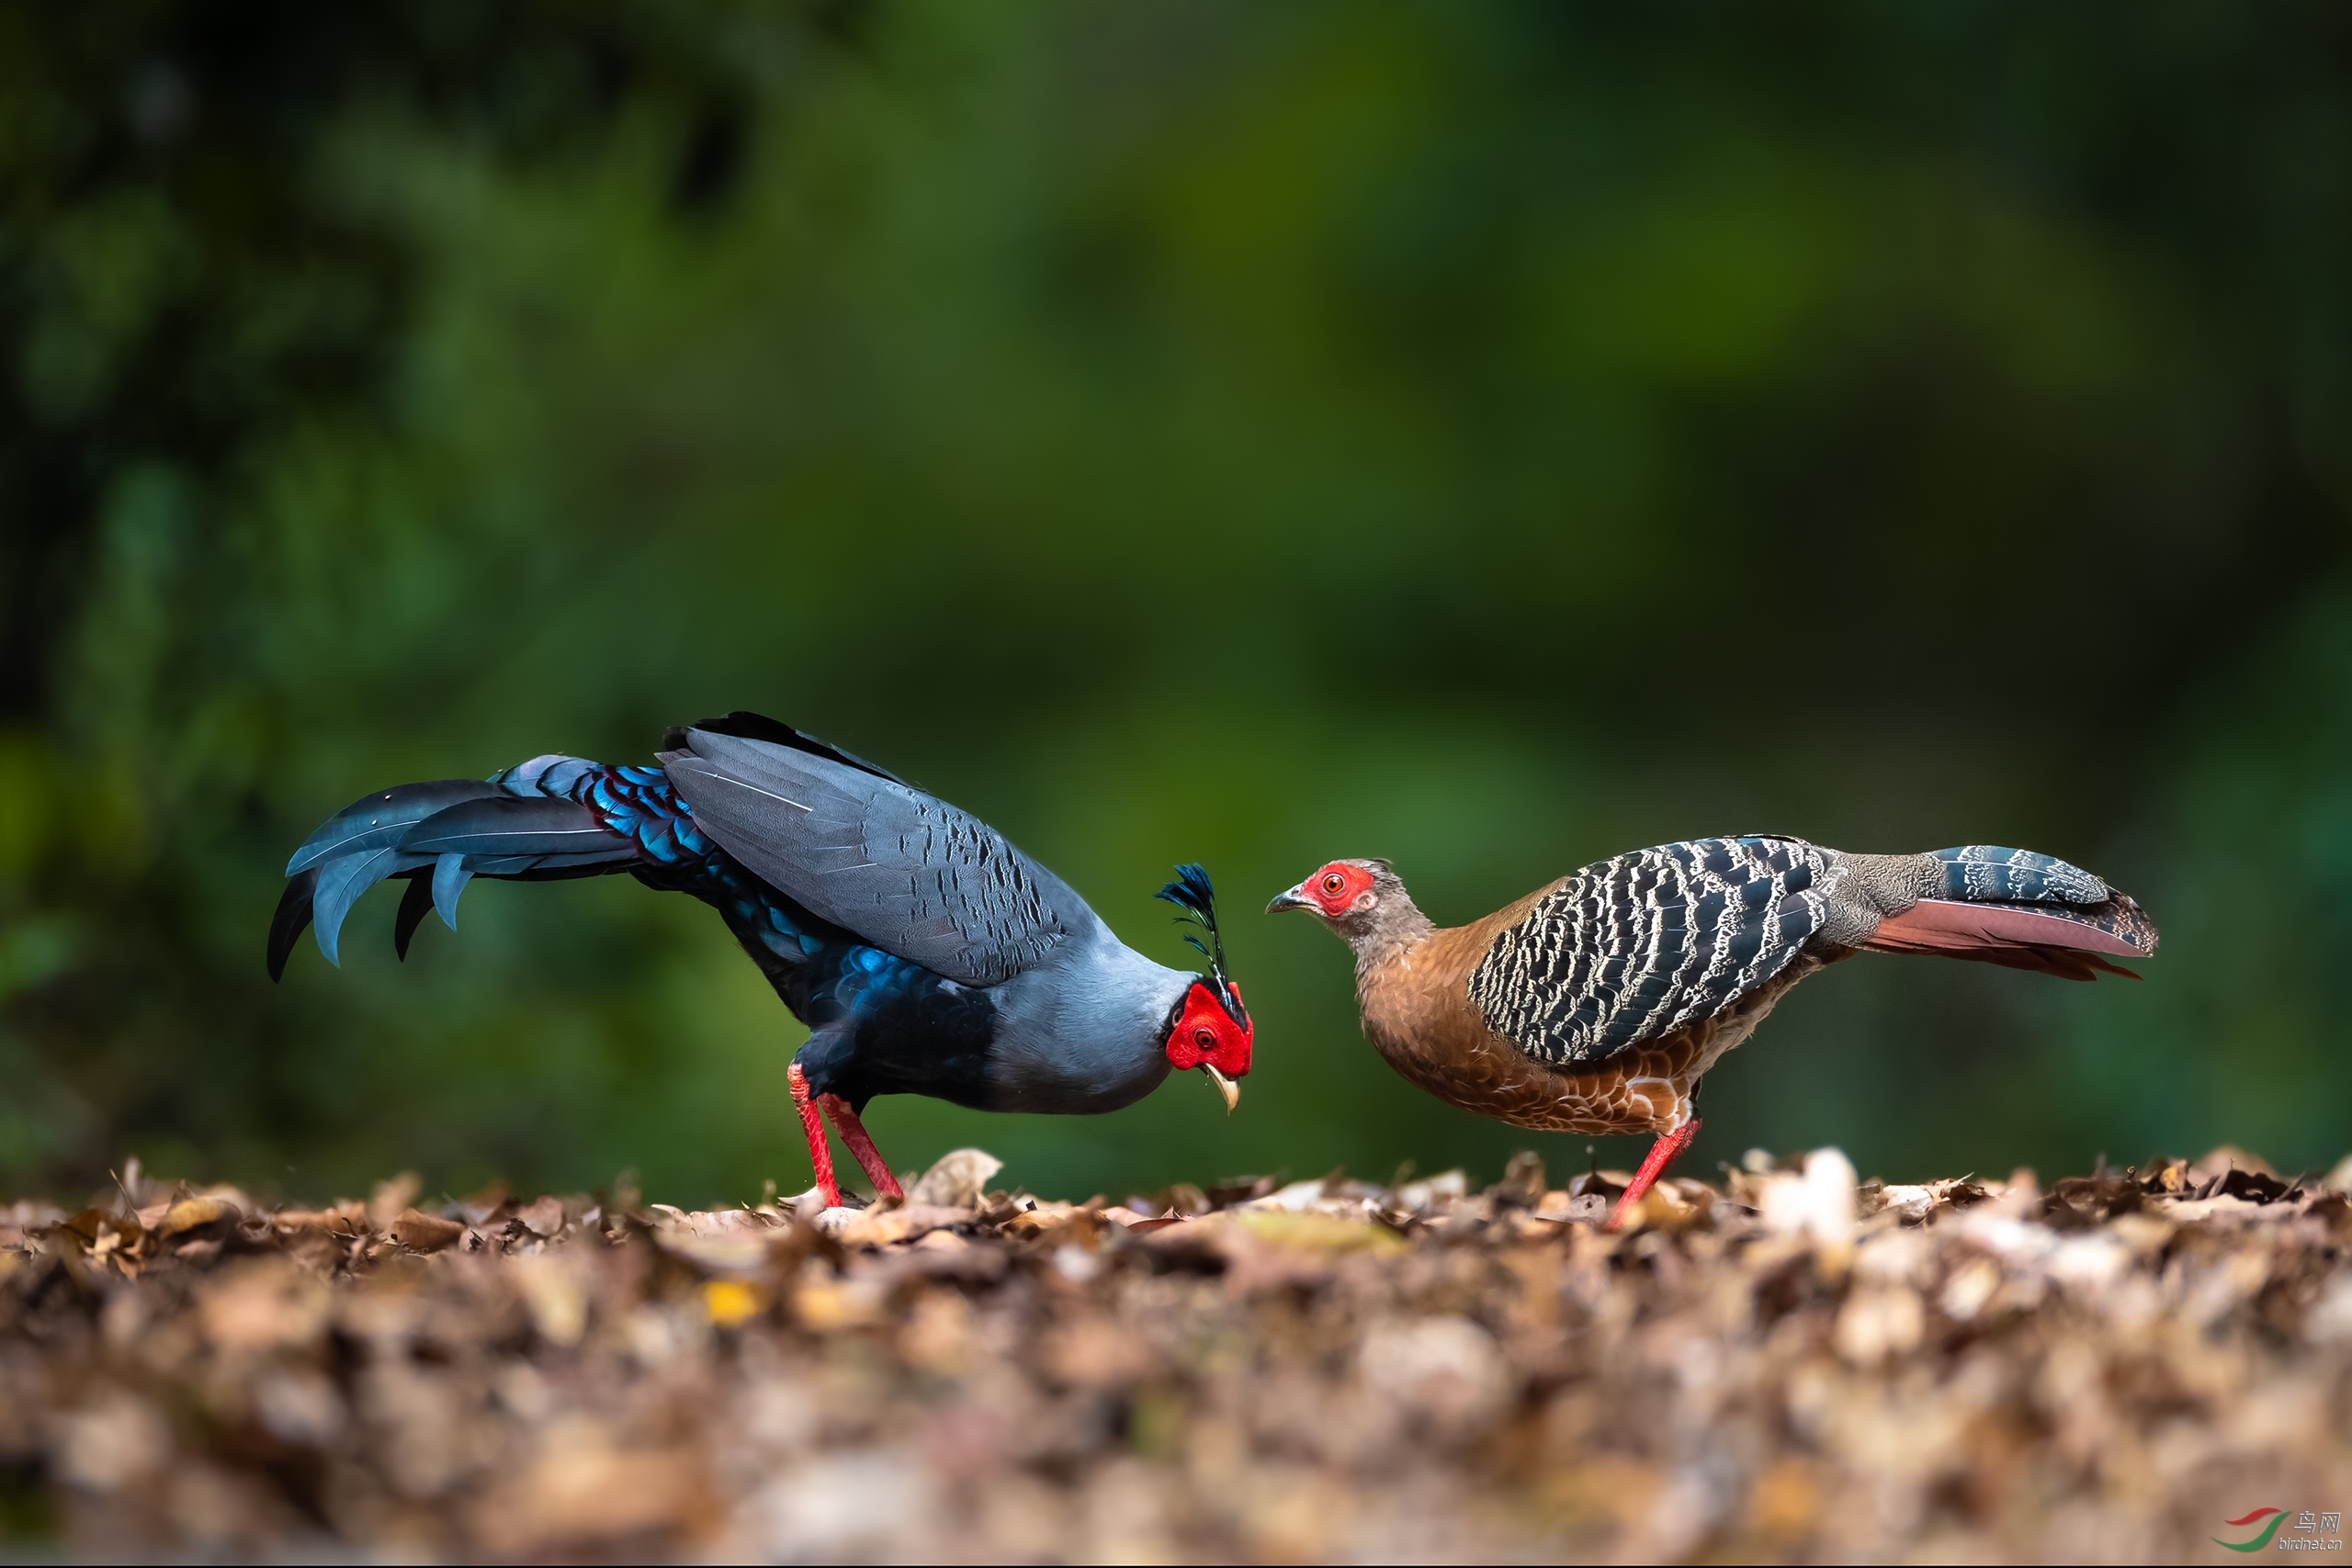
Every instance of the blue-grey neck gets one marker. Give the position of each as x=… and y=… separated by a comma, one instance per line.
x=1085, y=1032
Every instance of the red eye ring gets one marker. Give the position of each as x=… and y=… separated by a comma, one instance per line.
x=1205, y=1039
x=1334, y=883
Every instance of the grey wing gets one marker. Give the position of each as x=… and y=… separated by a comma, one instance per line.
x=1635, y=948
x=907, y=872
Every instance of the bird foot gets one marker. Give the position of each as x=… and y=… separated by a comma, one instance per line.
x=1661, y=1154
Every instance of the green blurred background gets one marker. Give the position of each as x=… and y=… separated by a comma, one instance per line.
x=1488, y=435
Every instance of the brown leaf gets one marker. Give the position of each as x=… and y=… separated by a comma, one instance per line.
x=544, y=1217
x=393, y=1197
x=344, y=1219
x=192, y=1218
x=476, y=1209
x=421, y=1232
x=1141, y=1225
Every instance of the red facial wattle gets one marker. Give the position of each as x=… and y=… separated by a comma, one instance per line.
x=1206, y=1033
x=1336, y=886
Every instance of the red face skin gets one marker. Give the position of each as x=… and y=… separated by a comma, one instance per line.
x=1334, y=890
x=1204, y=1032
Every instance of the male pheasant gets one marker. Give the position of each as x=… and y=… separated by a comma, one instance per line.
x=926, y=954
x=1595, y=1003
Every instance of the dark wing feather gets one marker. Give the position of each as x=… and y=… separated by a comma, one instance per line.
x=1637, y=947
x=909, y=874
x=774, y=732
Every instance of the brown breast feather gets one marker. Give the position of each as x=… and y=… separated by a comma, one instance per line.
x=1414, y=1001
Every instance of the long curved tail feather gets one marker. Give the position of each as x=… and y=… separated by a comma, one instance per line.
x=438, y=836
x=2022, y=910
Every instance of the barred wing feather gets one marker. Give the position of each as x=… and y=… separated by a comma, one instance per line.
x=1637, y=947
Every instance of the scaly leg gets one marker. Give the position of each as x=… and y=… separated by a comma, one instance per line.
x=852, y=1132
x=1661, y=1154
x=820, y=1154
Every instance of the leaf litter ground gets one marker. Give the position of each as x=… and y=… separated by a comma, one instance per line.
x=1784, y=1366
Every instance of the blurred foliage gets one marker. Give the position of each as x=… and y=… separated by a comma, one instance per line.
x=1492, y=436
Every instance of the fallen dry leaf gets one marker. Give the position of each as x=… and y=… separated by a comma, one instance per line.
x=426, y=1232
x=955, y=1181
x=193, y=1217
x=1796, y=1366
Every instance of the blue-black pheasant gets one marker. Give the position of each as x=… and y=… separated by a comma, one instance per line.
x=926, y=955
x=1594, y=1004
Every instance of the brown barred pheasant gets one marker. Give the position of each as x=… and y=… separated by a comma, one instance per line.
x=1594, y=1004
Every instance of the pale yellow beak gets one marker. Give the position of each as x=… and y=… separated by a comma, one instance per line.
x=1225, y=1086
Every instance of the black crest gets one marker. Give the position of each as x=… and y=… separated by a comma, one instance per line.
x=1191, y=891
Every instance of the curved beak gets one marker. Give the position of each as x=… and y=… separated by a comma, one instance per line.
x=1294, y=899
x=1225, y=1086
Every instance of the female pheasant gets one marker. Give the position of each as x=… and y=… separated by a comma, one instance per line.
x=1595, y=1004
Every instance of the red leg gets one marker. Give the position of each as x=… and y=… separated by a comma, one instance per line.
x=820, y=1154
x=852, y=1132
x=1661, y=1154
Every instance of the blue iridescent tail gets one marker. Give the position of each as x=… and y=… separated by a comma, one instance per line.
x=547, y=820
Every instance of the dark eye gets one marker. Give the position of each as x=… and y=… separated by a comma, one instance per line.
x=1203, y=1038
x=1333, y=882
